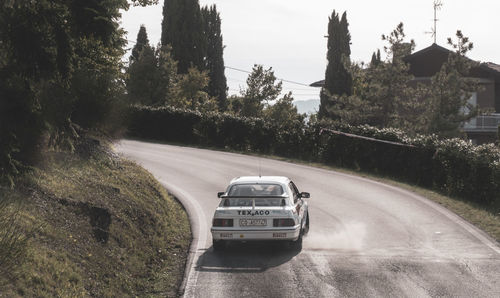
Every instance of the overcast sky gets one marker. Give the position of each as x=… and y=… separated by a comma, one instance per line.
x=289, y=34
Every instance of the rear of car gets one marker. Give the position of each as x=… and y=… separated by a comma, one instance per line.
x=257, y=209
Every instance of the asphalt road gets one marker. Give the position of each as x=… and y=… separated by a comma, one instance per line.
x=366, y=239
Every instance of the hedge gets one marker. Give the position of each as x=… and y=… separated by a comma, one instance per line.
x=451, y=166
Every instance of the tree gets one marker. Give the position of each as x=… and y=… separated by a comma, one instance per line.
x=261, y=89
x=141, y=42
x=214, y=62
x=182, y=30
x=387, y=84
x=151, y=73
x=381, y=93
x=376, y=60
x=235, y=104
x=283, y=111
x=189, y=92
x=60, y=65
x=144, y=79
x=451, y=89
x=338, y=80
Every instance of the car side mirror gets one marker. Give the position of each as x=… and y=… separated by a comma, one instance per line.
x=283, y=202
x=305, y=195
x=220, y=194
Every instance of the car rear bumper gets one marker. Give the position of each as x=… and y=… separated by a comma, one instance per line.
x=256, y=234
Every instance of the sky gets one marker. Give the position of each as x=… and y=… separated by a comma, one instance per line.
x=288, y=35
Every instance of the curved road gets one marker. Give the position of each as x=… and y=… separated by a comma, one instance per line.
x=367, y=239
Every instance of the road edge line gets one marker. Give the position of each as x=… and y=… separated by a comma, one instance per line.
x=473, y=230
x=194, y=213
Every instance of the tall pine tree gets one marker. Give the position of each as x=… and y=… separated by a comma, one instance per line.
x=338, y=80
x=376, y=60
x=182, y=29
x=142, y=41
x=214, y=60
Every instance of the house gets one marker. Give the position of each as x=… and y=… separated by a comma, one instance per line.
x=427, y=62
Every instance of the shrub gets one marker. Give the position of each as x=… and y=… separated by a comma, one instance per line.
x=452, y=166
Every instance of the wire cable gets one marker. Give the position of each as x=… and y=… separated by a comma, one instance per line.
x=288, y=81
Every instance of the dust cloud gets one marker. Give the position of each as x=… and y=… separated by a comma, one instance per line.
x=349, y=236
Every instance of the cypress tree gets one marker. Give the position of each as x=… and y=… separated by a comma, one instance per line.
x=142, y=41
x=345, y=86
x=214, y=62
x=375, y=58
x=182, y=30
x=338, y=80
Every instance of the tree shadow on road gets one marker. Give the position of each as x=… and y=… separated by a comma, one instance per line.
x=246, y=257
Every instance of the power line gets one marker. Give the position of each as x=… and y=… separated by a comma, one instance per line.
x=246, y=71
x=288, y=81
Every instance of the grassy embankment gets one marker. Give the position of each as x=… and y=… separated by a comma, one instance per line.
x=102, y=226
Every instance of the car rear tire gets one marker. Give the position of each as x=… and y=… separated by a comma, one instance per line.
x=295, y=245
x=219, y=245
x=306, y=228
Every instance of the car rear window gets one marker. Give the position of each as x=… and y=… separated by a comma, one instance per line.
x=243, y=195
x=255, y=190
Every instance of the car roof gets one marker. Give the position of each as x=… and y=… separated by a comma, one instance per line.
x=261, y=179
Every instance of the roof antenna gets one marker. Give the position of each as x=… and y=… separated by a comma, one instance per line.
x=437, y=6
x=259, y=168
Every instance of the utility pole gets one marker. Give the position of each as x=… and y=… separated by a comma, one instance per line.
x=437, y=6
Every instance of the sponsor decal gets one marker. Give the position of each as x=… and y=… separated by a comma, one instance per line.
x=253, y=213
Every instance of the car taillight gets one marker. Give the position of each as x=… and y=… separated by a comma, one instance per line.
x=283, y=222
x=222, y=222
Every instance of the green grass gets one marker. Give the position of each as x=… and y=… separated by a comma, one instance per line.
x=104, y=227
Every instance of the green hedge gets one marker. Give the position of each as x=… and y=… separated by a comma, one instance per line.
x=452, y=166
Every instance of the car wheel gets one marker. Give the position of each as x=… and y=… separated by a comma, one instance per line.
x=306, y=228
x=297, y=244
x=219, y=245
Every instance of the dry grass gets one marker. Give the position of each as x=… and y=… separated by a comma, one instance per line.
x=106, y=228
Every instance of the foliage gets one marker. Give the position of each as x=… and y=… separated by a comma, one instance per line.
x=262, y=88
x=152, y=75
x=141, y=42
x=454, y=167
x=235, y=104
x=182, y=29
x=338, y=80
x=144, y=82
x=283, y=111
x=189, y=92
x=382, y=95
x=376, y=59
x=60, y=71
x=385, y=96
x=450, y=90
x=214, y=59
x=387, y=88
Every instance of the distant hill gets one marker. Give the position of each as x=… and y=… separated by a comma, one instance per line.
x=309, y=106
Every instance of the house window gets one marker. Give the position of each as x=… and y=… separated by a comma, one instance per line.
x=471, y=101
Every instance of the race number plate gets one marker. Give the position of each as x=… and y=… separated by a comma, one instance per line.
x=253, y=222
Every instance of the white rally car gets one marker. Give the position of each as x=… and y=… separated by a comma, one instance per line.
x=261, y=208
